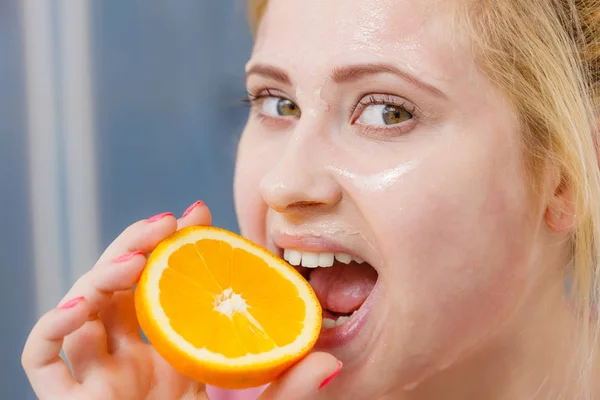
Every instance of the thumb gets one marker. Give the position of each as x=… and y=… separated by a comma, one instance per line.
x=305, y=379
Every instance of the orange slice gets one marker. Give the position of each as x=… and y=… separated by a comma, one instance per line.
x=224, y=311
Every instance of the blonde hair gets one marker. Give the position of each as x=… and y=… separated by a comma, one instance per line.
x=545, y=56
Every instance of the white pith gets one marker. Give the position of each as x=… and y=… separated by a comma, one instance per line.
x=228, y=303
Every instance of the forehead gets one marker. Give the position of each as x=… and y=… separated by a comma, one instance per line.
x=313, y=35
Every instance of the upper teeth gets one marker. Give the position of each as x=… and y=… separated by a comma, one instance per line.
x=314, y=260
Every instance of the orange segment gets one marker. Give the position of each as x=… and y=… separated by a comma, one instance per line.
x=224, y=311
x=225, y=340
x=252, y=336
x=188, y=261
x=281, y=329
x=218, y=255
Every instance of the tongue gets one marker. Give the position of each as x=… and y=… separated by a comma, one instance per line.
x=343, y=288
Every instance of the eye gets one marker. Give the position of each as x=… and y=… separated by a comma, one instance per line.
x=279, y=107
x=384, y=115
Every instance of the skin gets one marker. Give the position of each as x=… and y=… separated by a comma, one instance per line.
x=470, y=265
x=470, y=293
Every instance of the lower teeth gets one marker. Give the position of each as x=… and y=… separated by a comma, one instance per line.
x=330, y=323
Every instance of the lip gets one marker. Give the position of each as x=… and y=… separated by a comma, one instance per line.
x=345, y=333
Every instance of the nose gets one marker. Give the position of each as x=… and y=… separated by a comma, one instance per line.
x=300, y=179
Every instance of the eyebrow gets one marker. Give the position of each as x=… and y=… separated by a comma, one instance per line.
x=353, y=73
x=345, y=74
x=271, y=72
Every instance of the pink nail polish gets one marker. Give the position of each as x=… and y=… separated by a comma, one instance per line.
x=158, y=217
x=127, y=256
x=192, y=207
x=71, y=303
x=332, y=376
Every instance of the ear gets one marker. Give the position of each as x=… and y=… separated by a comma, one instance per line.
x=560, y=210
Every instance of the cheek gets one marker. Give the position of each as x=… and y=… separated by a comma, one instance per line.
x=470, y=259
x=252, y=163
x=457, y=251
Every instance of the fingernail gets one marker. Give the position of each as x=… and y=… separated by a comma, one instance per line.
x=191, y=208
x=158, y=217
x=332, y=376
x=127, y=256
x=71, y=303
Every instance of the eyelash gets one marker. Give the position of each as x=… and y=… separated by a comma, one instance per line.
x=254, y=96
x=384, y=99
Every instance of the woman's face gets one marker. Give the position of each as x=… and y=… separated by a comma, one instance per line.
x=374, y=134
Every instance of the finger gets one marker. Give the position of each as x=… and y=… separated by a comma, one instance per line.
x=99, y=284
x=120, y=320
x=305, y=379
x=47, y=372
x=85, y=348
x=196, y=214
x=141, y=236
x=88, y=345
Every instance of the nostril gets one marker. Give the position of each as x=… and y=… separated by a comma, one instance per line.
x=306, y=204
x=305, y=208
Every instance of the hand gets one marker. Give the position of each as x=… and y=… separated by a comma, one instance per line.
x=96, y=326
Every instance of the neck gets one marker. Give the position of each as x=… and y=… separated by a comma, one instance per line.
x=537, y=355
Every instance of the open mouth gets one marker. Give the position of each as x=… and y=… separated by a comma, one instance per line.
x=341, y=282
